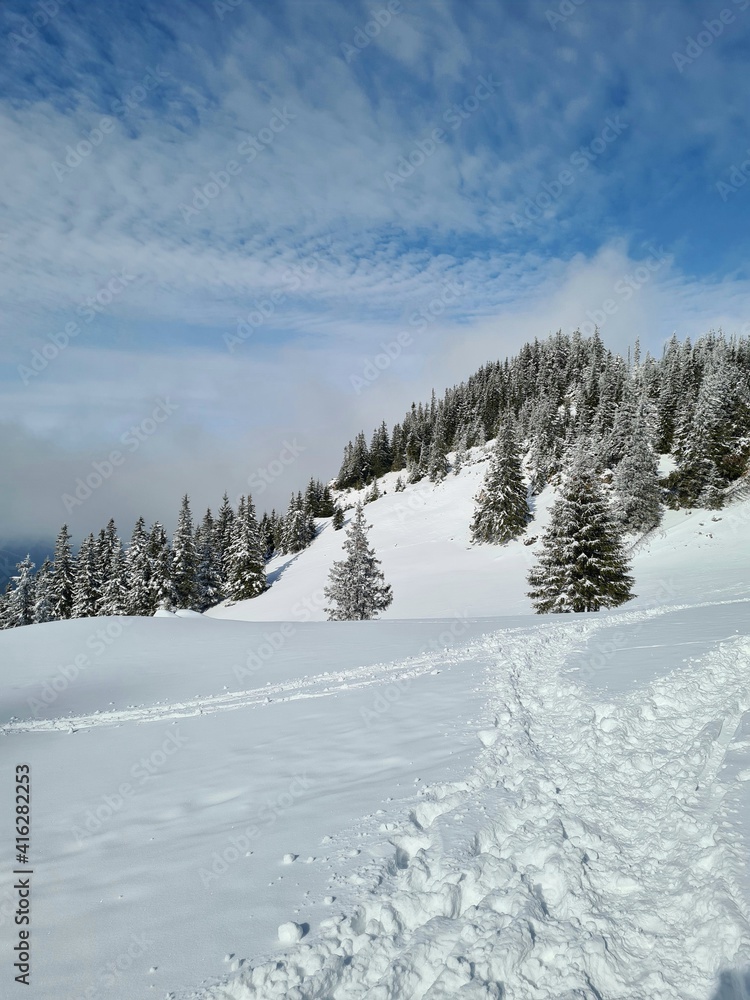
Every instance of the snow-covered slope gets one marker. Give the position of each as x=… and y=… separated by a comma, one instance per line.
x=423, y=540
x=447, y=804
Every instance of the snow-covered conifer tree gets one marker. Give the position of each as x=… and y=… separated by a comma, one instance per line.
x=325, y=508
x=138, y=572
x=160, y=587
x=299, y=526
x=184, y=560
x=115, y=593
x=502, y=509
x=713, y=446
x=87, y=584
x=637, y=491
x=224, y=529
x=44, y=594
x=112, y=573
x=4, y=607
x=22, y=596
x=381, y=454
x=582, y=565
x=208, y=579
x=357, y=590
x=63, y=576
x=437, y=460
x=461, y=454
x=247, y=573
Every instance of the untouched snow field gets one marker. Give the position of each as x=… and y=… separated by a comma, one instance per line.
x=464, y=800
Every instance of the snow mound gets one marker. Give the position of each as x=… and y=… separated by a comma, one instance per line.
x=291, y=932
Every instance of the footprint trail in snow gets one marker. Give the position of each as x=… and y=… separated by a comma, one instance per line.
x=594, y=865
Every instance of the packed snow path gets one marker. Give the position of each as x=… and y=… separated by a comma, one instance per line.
x=583, y=858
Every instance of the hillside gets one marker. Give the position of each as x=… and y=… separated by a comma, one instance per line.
x=423, y=539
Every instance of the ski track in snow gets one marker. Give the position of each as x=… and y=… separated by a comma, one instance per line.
x=596, y=866
x=321, y=685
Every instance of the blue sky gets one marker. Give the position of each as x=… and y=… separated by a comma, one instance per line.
x=320, y=172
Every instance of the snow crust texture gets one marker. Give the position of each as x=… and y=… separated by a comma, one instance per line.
x=585, y=856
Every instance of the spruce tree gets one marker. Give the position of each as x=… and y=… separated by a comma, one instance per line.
x=345, y=477
x=582, y=565
x=381, y=455
x=224, y=532
x=208, y=579
x=637, y=491
x=138, y=572
x=44, y=594
x=160, y=587
x=5, y=607
x=299, y=526
x=279, y=533
x=713, y=443
x=313, y=497
x=357, y=590
x=325, y=508
x=115, y=596
x=502, y=509
x=63, y=576
x=361, y=464
x=437, y=461
x=461, y=455
x=338, y=518
x=87, y=583
x=184, y=560
x=247, y=573
x=22, y=596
